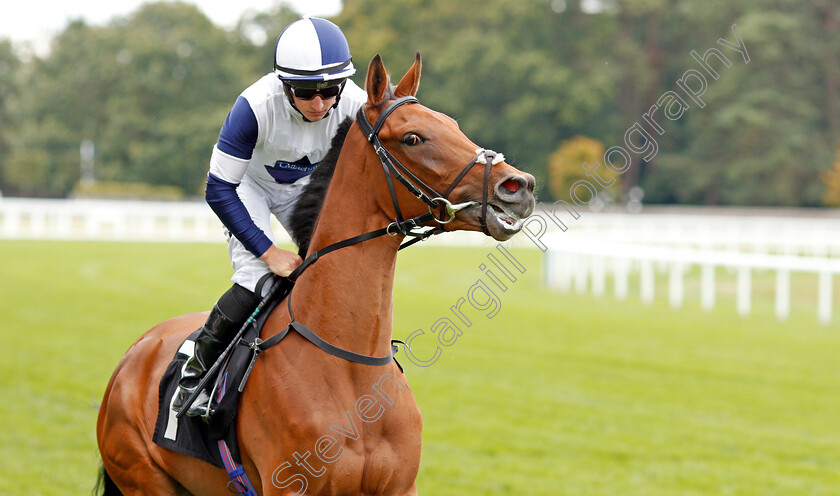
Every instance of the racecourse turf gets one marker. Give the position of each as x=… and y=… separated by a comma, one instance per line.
x=556, y=394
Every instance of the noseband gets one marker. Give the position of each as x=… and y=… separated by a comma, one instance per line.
x=434, y=200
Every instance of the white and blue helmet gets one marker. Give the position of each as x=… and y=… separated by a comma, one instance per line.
x=311, y=52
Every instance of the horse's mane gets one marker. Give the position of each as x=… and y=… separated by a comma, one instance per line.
x=306, y=210
x=308, y=206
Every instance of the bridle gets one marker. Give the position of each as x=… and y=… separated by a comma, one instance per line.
x=434, y=200
x=406, y=227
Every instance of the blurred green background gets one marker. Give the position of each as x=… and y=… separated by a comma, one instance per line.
x=152, y=88
x=559, y=393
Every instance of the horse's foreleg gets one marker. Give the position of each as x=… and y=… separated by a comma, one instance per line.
x=130, y=466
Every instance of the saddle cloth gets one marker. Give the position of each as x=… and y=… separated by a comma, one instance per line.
x=192, y=435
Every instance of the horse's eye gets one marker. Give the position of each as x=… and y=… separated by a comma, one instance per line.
x=412, y=139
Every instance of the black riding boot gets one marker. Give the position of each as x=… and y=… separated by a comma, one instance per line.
x=226, y=318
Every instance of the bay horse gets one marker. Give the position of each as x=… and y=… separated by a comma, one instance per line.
x=299, y=399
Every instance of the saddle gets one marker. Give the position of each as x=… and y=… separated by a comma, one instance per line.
x=199, y=437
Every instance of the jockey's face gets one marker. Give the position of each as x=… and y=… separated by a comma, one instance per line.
x=315, y=108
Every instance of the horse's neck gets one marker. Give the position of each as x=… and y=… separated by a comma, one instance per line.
x=346, y=297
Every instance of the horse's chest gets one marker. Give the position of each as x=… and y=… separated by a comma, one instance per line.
x=372, y=451
x=367, y=442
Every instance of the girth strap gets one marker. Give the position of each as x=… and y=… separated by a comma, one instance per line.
x=313, y=338
x=258, y=346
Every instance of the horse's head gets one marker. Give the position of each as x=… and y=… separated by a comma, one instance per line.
x=464, y=186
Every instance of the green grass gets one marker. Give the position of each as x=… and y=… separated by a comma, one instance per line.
x=558, y=394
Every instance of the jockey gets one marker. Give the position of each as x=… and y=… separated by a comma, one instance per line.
x=277, y=132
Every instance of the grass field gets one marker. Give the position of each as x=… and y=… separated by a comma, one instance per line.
x=557, y=394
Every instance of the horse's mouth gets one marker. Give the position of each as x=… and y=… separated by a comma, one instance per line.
x=502, y=222
x=507, y=220
x=505, y=213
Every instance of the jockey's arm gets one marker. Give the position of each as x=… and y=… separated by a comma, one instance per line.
x=228, y=163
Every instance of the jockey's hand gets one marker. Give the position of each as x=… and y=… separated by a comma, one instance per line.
x=281, y=262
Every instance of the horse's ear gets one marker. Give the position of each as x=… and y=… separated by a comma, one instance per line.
x=377, y=81
x=411, y=81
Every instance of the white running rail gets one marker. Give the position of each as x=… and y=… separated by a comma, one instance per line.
x=108, y=220
x=577, y=264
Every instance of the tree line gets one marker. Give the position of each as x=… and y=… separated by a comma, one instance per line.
x=694, y=101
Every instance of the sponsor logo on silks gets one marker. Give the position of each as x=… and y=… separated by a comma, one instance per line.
x=288, y=172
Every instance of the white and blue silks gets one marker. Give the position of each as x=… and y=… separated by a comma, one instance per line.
x=260, y=164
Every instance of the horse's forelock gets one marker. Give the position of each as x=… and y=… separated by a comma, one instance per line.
x=389, y=95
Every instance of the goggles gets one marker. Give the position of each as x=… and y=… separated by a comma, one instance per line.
x=309, y=93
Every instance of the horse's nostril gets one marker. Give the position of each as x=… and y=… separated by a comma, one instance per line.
x=511, y=185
